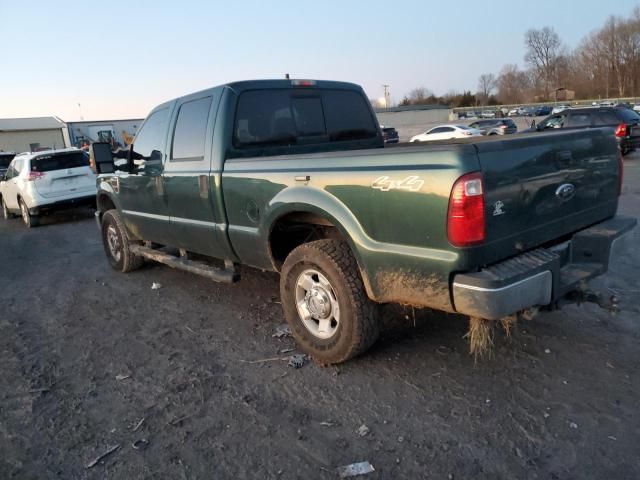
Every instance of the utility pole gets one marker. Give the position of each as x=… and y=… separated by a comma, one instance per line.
x=386, y=96
x=80, y=109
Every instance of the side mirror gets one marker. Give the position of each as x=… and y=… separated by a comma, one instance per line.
x=101, y=158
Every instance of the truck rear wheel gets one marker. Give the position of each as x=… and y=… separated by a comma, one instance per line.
x=116, y=243
x=325, y=303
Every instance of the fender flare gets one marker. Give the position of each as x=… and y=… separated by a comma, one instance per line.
x=320, y=202
x=105, y=190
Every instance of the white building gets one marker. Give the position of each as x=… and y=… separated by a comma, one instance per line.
x=32, y=134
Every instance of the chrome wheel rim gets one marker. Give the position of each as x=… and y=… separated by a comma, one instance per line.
x=25, y=213
x=317, y=304
x=113, y=242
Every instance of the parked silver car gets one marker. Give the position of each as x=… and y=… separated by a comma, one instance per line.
x=499, y=126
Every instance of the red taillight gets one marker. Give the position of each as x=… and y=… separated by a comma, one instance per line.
x=34, y=176
x=620, y=172
x=621, y=131
x=465, y=219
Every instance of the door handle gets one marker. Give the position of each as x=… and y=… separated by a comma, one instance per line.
x=203, y=186
x=302, y=178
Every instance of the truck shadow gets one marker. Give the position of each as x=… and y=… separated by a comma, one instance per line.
x=67, y=216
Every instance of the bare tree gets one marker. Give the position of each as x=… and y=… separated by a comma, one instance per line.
x=419, y=95
x=513, y=85
x=486, y=85
x=543, y=48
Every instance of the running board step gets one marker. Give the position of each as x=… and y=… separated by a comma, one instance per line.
x=227, y=275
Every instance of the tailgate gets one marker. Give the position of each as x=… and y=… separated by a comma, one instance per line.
x=539, y=188
x=63, y=174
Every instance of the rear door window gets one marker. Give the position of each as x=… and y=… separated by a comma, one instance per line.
x=191, y=130
x=60, y=161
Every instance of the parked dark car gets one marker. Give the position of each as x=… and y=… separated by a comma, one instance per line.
x=544, y=110
x=390, y=135
x=499, y=126
x=5, y=160
x=625, y=122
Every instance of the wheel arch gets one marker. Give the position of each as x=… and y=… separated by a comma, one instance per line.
x=298, y=223
x=105, y=201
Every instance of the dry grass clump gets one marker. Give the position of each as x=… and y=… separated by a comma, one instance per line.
x=480, y=334
x=508, y=323
x=480, y=337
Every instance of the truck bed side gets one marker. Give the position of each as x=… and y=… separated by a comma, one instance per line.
x=390, y=205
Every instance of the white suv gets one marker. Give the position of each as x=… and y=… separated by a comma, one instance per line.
x=42, y=182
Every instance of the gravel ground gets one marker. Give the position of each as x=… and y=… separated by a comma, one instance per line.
x=91, y=360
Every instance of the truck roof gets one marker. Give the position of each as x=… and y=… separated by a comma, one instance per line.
x=243, y=85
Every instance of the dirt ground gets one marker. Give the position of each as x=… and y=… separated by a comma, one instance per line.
x=91, y=359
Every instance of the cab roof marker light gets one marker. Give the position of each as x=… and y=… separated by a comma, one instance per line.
x=303, y=83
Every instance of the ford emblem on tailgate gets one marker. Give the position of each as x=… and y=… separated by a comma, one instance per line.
x=565, y=191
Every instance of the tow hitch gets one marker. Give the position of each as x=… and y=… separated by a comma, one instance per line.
x=586, y=295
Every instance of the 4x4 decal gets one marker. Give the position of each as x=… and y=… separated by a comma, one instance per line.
x=413, y=183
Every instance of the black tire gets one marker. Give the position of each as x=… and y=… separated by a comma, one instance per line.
x=29, y=220
x=358, y=327
x=6, y=214
x=116, y=243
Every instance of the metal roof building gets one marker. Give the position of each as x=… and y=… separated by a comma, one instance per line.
x=32, y=134
x=118, y=132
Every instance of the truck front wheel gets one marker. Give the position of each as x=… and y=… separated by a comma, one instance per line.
x=325, y=303
x=116, y=243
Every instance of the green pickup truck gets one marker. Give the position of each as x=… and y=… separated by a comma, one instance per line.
x=293, y=176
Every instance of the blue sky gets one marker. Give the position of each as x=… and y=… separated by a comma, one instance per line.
x=118, y=59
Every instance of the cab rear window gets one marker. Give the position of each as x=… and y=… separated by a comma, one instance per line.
x=60, y=161
x=293, y=117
